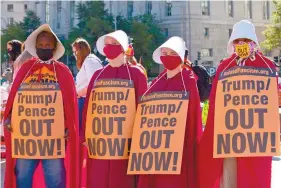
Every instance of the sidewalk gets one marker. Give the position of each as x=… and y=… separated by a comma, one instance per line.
x=276, y=171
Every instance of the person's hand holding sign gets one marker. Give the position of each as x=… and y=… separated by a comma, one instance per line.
x=7, y=124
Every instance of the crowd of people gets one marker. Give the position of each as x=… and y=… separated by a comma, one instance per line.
x=110, y=129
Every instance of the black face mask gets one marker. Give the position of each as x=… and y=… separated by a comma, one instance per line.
x=44, y=54
x=12, y=55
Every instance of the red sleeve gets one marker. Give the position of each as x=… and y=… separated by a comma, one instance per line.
x=206, y=161
x=85, y=108
x=18, y=80
x=194, y=132
x=9, y=174
x=68, y=91
x=71, y=83
x=140, y=82
x=159, y=76
x=156, y=80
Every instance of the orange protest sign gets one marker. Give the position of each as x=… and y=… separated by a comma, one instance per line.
x=45, y=75
x=110, y=118
x=246, y=113
x=38, y=120
x=279, y=94
x=158, y=136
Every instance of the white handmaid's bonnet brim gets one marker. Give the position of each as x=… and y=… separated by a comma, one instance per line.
x=242, y=29
x=119, y=35
x=30, y=43
x=174, y=43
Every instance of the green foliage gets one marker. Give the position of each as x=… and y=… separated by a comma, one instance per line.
x=19, y=31
x=30, y=22
x=14, y=31
x=150, y=38
x=95, y=21
x=273, y=31
x=124, y=24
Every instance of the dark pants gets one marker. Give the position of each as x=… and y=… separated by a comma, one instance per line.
x=81, y=101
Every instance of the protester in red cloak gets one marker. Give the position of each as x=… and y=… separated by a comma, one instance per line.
x=251, y=172
x=171, y=55
x=112, y=173
x=66, y=83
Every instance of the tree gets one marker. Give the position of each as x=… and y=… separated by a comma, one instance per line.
x=30, y=22
x=91, y=9
x=124, y=24
x=273, y=31
x=19, y=31
x=94, y=21
x=154, y=28
x=147, y=36
x=13, y=31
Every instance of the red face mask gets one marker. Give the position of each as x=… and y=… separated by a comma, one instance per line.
x=171, y=62
x=112, y=51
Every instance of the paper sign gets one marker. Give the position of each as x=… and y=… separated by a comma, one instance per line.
x=110, y=118
x=38, y=120
x=43, y=75
x=242, y=50
x=158, y=136
x=279, y=94
x=246, y=113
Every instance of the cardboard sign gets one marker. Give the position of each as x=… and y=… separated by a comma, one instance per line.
x=110, y=118
x=279, y=94
x=158, y=136
x=42, y=75
x=242, y=50
x=246, y=113
x=38, y=119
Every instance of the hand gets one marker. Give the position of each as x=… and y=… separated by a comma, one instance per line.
x=66, y=134
x=7, y=124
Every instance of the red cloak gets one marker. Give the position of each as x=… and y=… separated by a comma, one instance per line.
x=252, y=172
x=111, y=173
x=193, y=132
x=67, y=87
